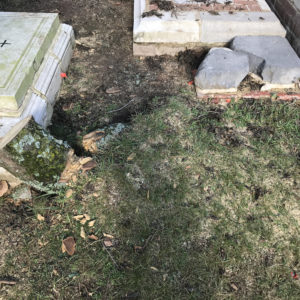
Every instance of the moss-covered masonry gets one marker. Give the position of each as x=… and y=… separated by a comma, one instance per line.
x=41, y=155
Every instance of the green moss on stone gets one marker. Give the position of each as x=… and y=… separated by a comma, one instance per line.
x=42, y=155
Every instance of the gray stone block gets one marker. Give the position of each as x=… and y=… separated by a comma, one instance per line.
x=281, y=63
x=222, y=69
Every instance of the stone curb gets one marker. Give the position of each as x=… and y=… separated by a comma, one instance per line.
x=253, y=95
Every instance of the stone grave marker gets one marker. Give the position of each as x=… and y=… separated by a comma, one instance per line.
x=35, y=48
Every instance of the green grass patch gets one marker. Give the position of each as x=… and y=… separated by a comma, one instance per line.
x=203, y=203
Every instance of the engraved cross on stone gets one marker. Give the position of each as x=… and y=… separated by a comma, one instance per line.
x=4, y=43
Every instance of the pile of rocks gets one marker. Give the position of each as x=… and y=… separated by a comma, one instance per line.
x=269, y=57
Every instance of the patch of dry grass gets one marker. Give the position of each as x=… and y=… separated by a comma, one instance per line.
x=201, y=203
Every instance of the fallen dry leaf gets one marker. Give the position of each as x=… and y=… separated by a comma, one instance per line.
x=91, y=223
x=131, y=157
x=113, y=90
x=3, y=188
x=82, y=233
x=83, y=221
x=68, y=245
x=90, y=139
x=109, y=236
x=93, y=237
x=89, y=166
x=69, y=193
x=40, y=217
x=108, y=243
x=87, y=217
x=68, y=106
x=78, y=217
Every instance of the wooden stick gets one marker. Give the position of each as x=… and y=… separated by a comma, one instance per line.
x=8, y=282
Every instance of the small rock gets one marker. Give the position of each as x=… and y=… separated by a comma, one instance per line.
x=93, y=237
x=22, y=193
x=222, y=70
x=111, y=132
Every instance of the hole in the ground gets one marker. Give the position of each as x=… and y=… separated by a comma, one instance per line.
x=63, y=128
x=123, y=117
x=191, y=59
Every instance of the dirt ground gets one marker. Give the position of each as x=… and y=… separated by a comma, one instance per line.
x=102, y=60
x=230, y=177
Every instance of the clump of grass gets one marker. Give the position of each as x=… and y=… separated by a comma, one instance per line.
x=202, y=203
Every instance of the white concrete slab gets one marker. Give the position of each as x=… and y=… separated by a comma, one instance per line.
x=24, y=40
x=10, y=127
x=43, y=91
x=196, y=22
x=224, y=27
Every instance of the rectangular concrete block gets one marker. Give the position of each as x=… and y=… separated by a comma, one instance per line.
x=63, y=47
x=37, y=107
x=40, y=110
x=48, y=79
x=224, y=27
x=24, y=40
x=184, y=29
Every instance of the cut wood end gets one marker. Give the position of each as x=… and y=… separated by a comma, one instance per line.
x=3, y=188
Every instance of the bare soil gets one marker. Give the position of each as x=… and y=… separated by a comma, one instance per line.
x=102, y=60
x=238, y=202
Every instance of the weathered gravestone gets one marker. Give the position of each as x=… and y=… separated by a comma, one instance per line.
x=35, y=49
